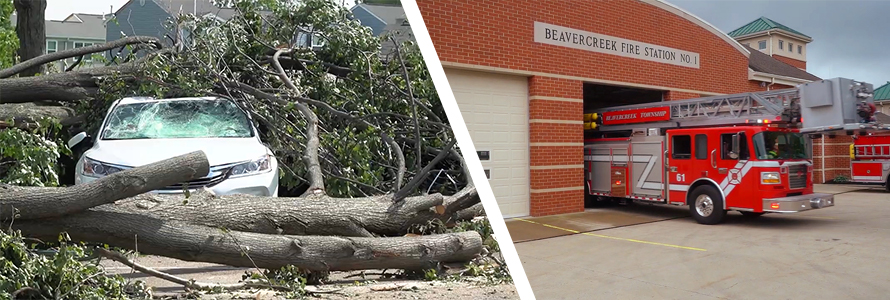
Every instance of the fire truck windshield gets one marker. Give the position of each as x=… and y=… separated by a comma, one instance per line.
x=770, y=145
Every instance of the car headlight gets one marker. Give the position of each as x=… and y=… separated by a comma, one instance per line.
x=98, y=169
x=257, y=166
x=770, y=178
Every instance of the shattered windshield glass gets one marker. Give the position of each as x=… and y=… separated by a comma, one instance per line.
x=177, y=119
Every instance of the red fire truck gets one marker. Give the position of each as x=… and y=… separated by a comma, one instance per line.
x=870, y=159
x=747, y=152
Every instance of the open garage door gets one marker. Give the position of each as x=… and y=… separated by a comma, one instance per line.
x=495, y=109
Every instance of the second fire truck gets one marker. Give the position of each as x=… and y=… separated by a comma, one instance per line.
x=747, y=152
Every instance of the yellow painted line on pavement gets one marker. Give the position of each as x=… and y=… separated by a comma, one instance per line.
x=612, y=237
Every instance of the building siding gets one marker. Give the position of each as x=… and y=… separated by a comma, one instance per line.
x=146, y=19
x=369, y=20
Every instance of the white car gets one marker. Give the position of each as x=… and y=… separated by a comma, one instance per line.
x=140, y=131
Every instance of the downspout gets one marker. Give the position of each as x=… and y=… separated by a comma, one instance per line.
x=771, y=83
x=823, y=159
x=770, y=37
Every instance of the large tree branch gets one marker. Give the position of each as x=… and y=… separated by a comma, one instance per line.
x=244, y=249
x=41, y=202
x=418, y=145
x=316, y=177
x=76, y=52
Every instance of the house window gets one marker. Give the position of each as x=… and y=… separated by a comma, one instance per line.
x=781, y=44
x=790, y=47
x=317, y=41
x=761, y=45
x=52, y=46
x=799, y=49
x=682, y=146
x=86, y=58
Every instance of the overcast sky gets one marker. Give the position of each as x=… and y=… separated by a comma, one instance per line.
x=850, y=38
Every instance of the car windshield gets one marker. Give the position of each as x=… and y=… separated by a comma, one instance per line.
x=177, y=119
x=769, y=145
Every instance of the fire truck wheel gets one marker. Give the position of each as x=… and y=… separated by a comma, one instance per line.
x=706, y=205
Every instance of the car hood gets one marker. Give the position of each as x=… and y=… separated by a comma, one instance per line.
x=134, y=153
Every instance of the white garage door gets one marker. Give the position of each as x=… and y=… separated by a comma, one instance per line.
x=495, y=109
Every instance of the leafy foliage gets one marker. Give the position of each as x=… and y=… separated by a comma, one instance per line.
x=29, y=158
x=9, y=42
x=58, y=276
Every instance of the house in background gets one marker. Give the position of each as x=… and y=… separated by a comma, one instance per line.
x=75, y=31
x=385, y=19
x=776, y=40
x=377, y=16
x=150, y=17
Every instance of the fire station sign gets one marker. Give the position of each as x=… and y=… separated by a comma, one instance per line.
x=579, y=39
x=637, y=116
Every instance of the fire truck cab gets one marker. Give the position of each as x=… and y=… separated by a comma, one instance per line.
x=749, y=152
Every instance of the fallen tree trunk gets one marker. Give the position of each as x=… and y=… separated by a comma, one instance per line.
x=68, y=86
x=189, y=242
x=48, y=202
x=311, y=215
x=26, y=115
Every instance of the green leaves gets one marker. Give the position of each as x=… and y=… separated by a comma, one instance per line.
x=59, y=274
x=29, y=158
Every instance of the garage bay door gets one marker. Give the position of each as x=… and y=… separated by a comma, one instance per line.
x=495, y=109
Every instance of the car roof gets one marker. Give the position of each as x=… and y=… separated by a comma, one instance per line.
x=131, y=100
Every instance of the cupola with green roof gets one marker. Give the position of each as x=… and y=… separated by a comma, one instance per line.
x=777, y=40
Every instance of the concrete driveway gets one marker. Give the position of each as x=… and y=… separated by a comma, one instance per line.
x=842, y=252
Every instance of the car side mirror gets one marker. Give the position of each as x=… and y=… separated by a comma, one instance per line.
x=76, y=139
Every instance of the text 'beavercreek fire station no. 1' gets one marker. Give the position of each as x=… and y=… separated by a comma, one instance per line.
x=579, y=39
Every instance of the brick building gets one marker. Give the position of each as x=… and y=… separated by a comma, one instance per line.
x=524, y=74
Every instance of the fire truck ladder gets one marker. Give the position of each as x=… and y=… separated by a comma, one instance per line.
x=779, y=106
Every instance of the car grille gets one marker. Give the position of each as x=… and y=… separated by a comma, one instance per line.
x=215, y=177
x=796, y=181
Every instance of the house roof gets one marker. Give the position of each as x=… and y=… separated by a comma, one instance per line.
x=763, y=24
x=400, y=30
x=385, y=12
x=174, y=7
x=762, y=62
x=75, y=26
x=882, y=93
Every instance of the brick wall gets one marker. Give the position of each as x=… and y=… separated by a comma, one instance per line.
x=836, y=157
x=556, y=133
x=500, y=33
x=793, y=62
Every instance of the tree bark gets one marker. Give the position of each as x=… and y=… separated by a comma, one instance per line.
x=312, y=215
x=189, y=242
x=26, y=115
x=65, y=87
x=31, y=31
x=44, y=202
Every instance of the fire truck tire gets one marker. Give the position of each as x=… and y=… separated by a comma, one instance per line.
x=706, y=205
x=887, y=185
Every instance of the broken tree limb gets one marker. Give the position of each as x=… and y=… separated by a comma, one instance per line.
x=48, y=202
x=313, y=215
x=191, y=284
x=32, y=112
x=316, y=177
x=68, y=86
x=77, y=52
x=189, y=242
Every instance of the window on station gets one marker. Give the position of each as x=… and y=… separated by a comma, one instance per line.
x=799, y=49
x=781, y=44
x=761, y=45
